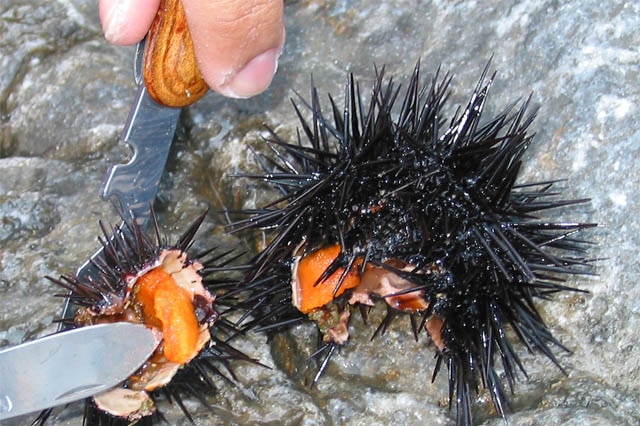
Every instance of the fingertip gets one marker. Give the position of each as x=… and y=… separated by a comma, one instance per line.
x=126, y=22
x=254, y=78
x=237, y=43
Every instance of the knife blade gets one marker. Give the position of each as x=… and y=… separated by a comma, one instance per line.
x=71, y=365
x=167, y=78
x=149, y=131
x=133, y=186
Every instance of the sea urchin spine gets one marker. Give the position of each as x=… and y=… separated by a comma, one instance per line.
x=144, y=279
x=388, y=200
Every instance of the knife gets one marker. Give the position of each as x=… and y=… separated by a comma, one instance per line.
x=168, y=78
x=78, y=363
x=69, y=366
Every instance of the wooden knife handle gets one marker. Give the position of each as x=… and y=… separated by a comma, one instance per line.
x=170, y=69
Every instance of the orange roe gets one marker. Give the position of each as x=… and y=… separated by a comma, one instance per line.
x=168, y=306
x=308, y=293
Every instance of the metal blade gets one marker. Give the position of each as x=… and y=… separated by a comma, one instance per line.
x=69, y=366
x=149, y=131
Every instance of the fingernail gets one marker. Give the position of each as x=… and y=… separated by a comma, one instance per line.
x=114, y=21
x=253, y=78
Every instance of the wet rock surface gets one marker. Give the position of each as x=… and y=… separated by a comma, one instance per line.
x=64, y=97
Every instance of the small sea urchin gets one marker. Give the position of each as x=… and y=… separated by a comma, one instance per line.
x=144, y=279
x=388, y=200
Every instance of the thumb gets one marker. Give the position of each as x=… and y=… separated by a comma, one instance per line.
x=237, y=43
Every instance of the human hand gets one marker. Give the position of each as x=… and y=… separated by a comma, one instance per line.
x=237, y=42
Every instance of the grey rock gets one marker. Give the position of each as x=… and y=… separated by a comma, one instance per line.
x=64, y=96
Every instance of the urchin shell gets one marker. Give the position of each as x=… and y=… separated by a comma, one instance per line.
x=128, y=253
x=392, y=179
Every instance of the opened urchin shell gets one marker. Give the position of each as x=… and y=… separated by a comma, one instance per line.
x=109, y=294
x=432, y=202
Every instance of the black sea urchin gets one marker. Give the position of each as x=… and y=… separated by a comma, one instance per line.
x=390, y=201
x=142, y=278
